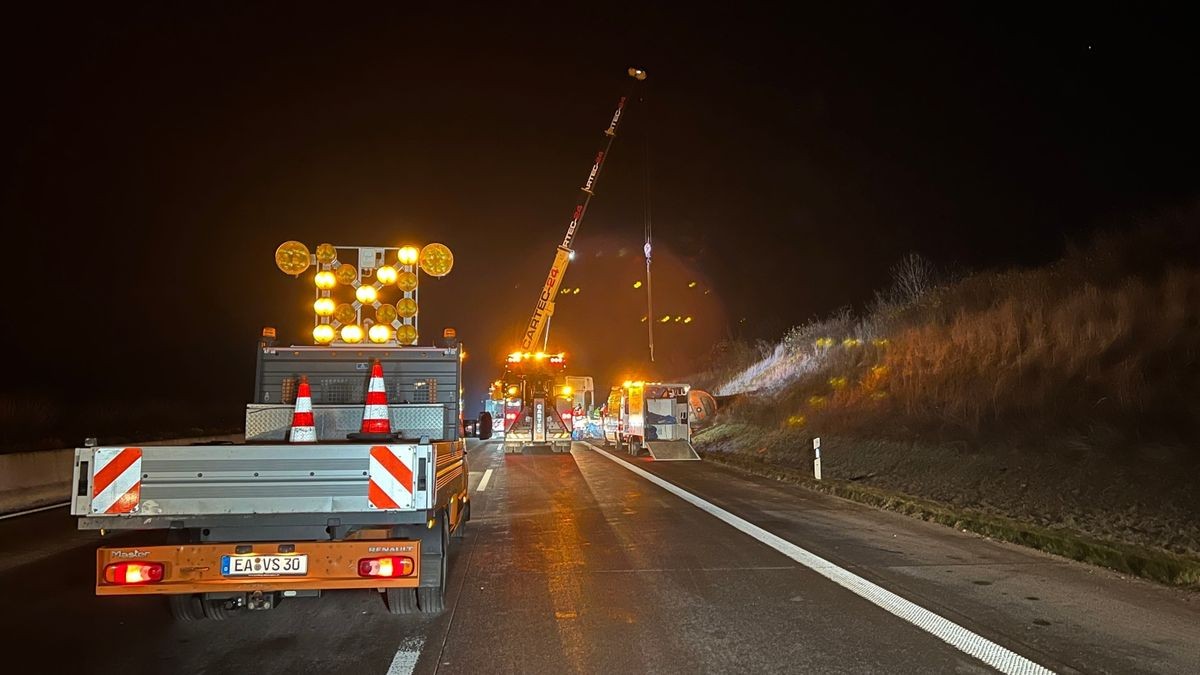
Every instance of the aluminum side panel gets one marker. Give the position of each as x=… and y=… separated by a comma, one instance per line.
x=262, y=479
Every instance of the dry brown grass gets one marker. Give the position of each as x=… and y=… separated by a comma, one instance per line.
x=1123, y=356
x=1102, y=348
x=726, y=358
x=1066, y=397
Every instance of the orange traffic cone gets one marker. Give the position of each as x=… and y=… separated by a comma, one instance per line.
x=375, y=422
x=303, y=428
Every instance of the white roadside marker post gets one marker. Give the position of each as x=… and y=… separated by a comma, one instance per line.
x=817, y=459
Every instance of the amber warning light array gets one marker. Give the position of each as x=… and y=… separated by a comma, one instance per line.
x=365, y=293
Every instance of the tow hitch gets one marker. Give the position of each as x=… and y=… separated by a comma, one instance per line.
x=258, y=600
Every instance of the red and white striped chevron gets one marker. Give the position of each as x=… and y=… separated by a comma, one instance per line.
x=390, y=485
x=116, y=480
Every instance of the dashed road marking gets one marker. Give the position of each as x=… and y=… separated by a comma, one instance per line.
x=483, y=482
x=406, y=657
x=1000, y=658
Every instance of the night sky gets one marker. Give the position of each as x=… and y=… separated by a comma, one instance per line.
x=159, y=152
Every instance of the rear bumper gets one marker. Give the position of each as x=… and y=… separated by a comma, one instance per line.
x=550, y=438
x=196, y=568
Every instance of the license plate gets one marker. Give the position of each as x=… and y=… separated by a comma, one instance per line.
x=264, y=565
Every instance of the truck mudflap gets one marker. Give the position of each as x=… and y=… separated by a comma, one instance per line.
x=273, y=566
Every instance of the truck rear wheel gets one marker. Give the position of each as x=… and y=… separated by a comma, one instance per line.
x=432, y=599
x=400, y=600
x=217, y=610
x=186, y=608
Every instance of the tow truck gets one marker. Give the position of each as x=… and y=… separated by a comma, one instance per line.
x=221, y=528
x=539, y=422
x=532, y=372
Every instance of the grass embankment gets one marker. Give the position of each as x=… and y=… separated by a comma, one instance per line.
x=1057, y=407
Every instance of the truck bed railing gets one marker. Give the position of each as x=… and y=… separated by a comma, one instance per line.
x=271, y=422
x=206, y=480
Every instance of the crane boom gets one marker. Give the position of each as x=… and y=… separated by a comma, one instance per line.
x=544, y=308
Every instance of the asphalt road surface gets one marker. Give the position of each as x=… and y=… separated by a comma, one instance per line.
x=576, y=563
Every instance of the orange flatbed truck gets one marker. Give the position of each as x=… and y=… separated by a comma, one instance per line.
x=229, y=527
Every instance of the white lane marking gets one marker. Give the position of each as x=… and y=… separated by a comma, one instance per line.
x=985, y=650
x=37, y=510
x=487, y=475
x=405, y=660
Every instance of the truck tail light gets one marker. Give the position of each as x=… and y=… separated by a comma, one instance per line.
x=389, y=566
x=130, y=573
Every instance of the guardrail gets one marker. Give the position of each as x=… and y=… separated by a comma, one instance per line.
x=29, y=480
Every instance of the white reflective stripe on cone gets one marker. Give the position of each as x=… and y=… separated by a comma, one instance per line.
x=303, y=405
x=375, y=411
x=304, y=435
x=376, y=384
